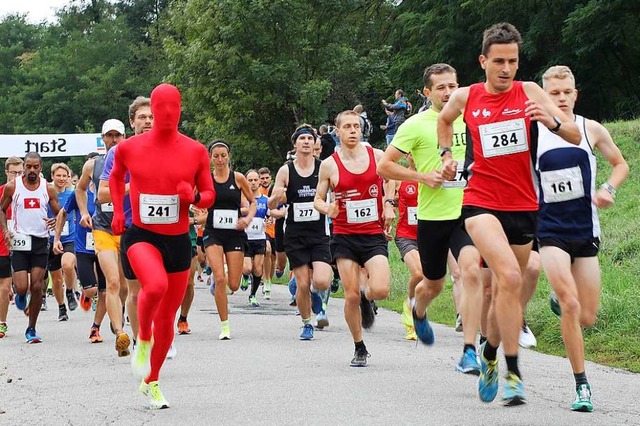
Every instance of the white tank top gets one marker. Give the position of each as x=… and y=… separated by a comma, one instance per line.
x=30, y=209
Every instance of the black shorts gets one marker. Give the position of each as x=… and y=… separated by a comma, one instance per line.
x=174, y=249
x=519, y=227
x=359, y=248
x=255, y=247
x=88, y=268
x=575, y=248
x=199, y=242
x=230, y=240
x=54, y=262
x=405, y=245
x=5, y=266
x=36, y=258
x=304, y=250
x=272, y=244
x=280, y=235
x=194, y=251
x=435, y=239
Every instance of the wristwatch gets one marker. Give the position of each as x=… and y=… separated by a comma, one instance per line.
x=444, y=151
x=558, y=124
x=390, y=201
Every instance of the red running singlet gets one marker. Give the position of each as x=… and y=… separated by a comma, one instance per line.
x=499, y=157
x=408, y=210
x=359, y=198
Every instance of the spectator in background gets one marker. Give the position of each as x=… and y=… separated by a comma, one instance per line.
x=365, y=124
x=328, y=143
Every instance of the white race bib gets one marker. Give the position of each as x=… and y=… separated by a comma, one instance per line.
x=225, y=219
x=159, y=209
x=256, y=227
x=21, y=242
x=10, y=226
x=412, y=215
x=562, y=185
x=362, y=211
x=89, y=242
x=64, y=233
x=304, y=212
x=458, y=181
x=106, y=207
x=503, y=138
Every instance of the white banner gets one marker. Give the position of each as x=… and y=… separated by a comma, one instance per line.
x=51, y=145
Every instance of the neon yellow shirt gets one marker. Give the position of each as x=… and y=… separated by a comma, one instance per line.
x=418, y=136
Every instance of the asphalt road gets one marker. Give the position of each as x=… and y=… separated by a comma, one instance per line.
x=265, y=375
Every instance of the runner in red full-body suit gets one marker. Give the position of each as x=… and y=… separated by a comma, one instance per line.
x=164, y=168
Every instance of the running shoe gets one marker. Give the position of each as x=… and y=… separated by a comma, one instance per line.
x=513, y=391
x=32, y=336
x=3, y=329
x=122, y=344
x=85, y=302
x=406, y=318
x=526, y=338
x=172, y=352
x=94, y=303
x=21, y=301
x=183, y=327
x=316, y=302
x=423, y=329
x=411, y=334
x=307, y=332
x=488, y=381
x=469, y=363
x=322, y=320
x=279, y=273
x=335, y=285
x=360, y=358
x=199, y=278
x=253, y=301
x=212, y=285
x=153, y=392
x=71, y=299
x=554, y=304
x=62, y=313
x=141, y=359
x=583, y=399
x=266, y=288
x=225, y=333
x=366, y=311
x=43, y=307
x=94, y=335
x=459, y=328
x=244, y=283
x=293, y=286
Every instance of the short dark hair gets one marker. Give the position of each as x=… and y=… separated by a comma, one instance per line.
x=33, y=154
x=264, y=171
x=217, y=143
x=436, y=69
x=502, y=33
x=138, y=103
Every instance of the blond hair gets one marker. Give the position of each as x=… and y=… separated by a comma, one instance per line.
x=558, y=71
x=13, y=161
x=343, y=114
x=56, y=166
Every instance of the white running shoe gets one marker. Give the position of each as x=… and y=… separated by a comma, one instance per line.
x=172, y=351
x=526, y=339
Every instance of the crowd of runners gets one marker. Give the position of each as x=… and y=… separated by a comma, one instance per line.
x=488, y=185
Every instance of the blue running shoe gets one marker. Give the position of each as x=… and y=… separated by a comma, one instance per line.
x=31, y=336
x=279, y=273
x=21, y=301
x=488, y=380
x=423, y=329
x=293, y=286
x=554, y=304
x=583, y=399
x=469, y=363
x=513, y=391
x=316, y=302
x=307, y=332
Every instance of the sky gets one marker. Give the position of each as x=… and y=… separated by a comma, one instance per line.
x=37, y=10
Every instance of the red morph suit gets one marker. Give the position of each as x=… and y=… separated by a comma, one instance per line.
x=162, y=164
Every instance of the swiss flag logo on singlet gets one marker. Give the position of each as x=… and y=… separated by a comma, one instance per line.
x=32, y=203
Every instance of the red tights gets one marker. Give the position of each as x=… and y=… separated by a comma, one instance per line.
x=160, y=296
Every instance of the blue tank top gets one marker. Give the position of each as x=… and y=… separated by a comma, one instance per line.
x=71, y=207
x=69, y=230
x=567, y=186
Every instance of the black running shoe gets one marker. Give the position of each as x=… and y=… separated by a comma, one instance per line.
x=366, y=311
x=71, y=299
x=335, y=285
x=62, y=313
x=360, y=358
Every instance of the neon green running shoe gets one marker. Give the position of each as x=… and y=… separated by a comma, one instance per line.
x=583, y=399
x=3, y=329
x=153, y=392
x=406, y=317
x=225, y=333
x=141, y=359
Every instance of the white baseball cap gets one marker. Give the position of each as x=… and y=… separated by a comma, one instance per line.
x=113, y=124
